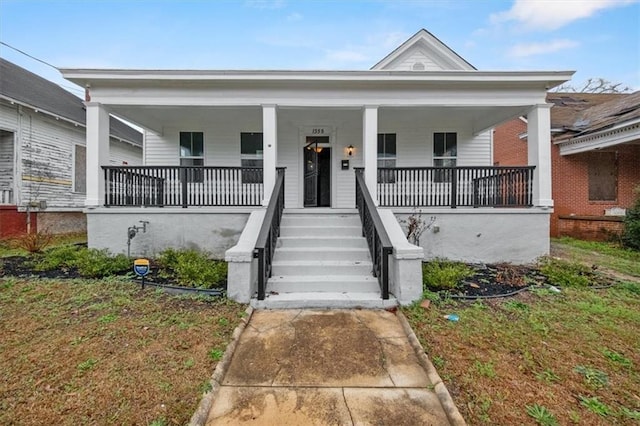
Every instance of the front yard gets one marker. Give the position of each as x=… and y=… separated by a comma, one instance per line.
x=543, y=357
x=105, y=352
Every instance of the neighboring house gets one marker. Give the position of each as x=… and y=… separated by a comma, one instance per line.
x=595, y=157
x=43, y=153
x=414, y=133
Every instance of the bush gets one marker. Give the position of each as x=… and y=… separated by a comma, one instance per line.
x=56, y=258
x=193, y=268
x=443, y=274
x=631, y=235
x=34, y=242
x=90, y=263
x=569, y=274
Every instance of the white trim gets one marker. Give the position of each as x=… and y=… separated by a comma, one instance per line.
x=616, y=135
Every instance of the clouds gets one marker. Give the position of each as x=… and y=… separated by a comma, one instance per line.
x=551, y=15
x=530, y=49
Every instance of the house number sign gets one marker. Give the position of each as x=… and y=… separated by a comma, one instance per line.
x=317, y=131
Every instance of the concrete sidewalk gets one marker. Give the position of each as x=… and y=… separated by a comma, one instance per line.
x=328, y=367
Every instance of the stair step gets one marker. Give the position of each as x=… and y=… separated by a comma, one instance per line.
x=346, y=300
x=320, y=231
x=324, y=241
x=323, y=284
x=326, y=267
x=321, y=220
x=321, y=253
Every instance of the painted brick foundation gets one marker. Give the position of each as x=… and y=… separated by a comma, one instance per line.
x=14, y=223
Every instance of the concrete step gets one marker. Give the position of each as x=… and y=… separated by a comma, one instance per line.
x=324, y=241
x=338, y=300
x=321, y=220
x=320, y=253
x=323, y=284
x=320, y=231
x=326, y=267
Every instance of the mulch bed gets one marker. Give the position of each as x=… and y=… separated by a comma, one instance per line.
x=492, y=280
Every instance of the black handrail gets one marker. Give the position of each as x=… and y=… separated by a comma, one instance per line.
x=373, y=230
x=269, y=233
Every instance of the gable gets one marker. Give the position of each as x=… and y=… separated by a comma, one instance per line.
x=423, y=52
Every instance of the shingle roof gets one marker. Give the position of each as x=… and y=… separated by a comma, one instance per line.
x=18, y=84
x=568, y=107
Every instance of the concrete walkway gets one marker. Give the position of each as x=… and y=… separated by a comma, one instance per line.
x=328, y=367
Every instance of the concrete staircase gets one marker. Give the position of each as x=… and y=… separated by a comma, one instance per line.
x=322, y=261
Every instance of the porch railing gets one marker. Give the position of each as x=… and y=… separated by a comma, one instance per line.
x=372, y=229
x=6, y=196
x=182, y=186
x=475, y=186
x=269, y=233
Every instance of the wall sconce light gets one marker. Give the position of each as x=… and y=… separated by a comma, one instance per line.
x=350, y=150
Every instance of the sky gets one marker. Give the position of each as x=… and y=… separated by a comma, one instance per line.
x=596, y=38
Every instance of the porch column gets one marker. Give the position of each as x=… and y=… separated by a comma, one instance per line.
x=97, y=152
x=370, y=149
x=539, y=153
x=269, y=149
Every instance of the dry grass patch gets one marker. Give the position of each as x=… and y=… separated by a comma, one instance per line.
x=540, y=358
x=105, y=352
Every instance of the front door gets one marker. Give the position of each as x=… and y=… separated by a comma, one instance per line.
x=317, y=172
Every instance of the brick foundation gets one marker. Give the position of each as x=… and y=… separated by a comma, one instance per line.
x=592, y=228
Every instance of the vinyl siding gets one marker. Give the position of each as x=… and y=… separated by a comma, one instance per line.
x=122, y=152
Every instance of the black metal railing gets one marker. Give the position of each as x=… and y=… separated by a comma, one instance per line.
x=182, y=186
x=474, y=186
x=373, y=230
x=269, y=233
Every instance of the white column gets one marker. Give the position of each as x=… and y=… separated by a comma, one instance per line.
x=539, y=153
x=97, y=152
x=269, y=149
x=370, y=149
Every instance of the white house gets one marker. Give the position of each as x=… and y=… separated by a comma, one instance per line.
x=43, y=151
x=411, y=135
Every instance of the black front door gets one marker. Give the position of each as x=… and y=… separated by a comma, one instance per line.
x=317, y=172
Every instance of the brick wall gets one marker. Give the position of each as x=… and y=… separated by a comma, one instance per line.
x=570, y=183
x=14, y=223
x=600, y=228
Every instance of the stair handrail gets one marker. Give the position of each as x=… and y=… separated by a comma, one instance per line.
x=374, y=232
x=269, y=233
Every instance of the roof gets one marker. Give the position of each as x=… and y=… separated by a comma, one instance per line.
x=437, y=47
x=18, y=84
x=581, y=113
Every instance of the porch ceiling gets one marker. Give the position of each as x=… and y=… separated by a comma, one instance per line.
x=478, y=119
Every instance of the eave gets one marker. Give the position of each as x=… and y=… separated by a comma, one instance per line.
x=615, y=135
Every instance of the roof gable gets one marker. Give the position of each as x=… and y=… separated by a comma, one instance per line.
x=423, y=52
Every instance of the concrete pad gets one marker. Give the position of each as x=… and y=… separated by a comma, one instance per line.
x=279, y=406
x=383, y=323
x=395, y=407
x=402, y=364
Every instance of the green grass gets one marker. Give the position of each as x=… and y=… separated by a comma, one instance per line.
x=538, y=350
x=10, y=247
x=607, y=255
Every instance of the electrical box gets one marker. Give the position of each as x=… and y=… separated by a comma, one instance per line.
x=345, y=164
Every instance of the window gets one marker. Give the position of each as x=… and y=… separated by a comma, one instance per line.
x=80, y=169
x=603, y=176
x=386, y=157
x=192, y=154
x=251, y=156
x=445, y=153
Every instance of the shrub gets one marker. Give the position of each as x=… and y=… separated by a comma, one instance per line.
x=94, y=263
x=193, y=268
x=569, y=274
x=631, y=235
x=56, y=258
x=34, y=242
x=441, y=274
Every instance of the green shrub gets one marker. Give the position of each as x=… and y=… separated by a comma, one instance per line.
x=631, y=235
x=57, y=258
x=94, y=263
x=193, y=268
x=569, y=274
x=441, y=274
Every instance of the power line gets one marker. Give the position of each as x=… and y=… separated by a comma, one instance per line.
x=26, y=54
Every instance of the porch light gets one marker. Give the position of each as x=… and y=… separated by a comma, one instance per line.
x=350, y=150
x=319, y=149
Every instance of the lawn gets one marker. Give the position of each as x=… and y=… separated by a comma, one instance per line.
x=542, y=357
x=105, y=352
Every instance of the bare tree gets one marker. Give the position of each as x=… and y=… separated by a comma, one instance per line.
x=594, y=85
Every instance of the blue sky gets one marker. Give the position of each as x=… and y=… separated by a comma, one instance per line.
x=597, y=38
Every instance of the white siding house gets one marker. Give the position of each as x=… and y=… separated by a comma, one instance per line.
x=43, y=152
x=413, y=133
